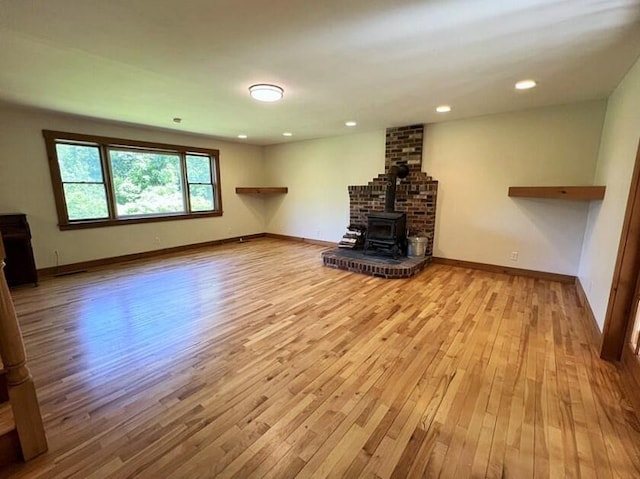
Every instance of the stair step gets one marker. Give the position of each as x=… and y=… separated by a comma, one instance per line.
x=9, y=442
x=6, y=418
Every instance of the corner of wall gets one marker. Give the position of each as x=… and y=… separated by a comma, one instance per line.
x=616, y=156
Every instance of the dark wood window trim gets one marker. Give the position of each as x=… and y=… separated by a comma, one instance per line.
x=104, y=143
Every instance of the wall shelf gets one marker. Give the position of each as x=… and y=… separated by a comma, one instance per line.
x=261, y=190
x=584, y=193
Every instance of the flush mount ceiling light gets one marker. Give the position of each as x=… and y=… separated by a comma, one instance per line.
x=266, y=92
x=525, y=84
x=350, y=123
x=443, y=109
x=287, y=133
x=242, y=137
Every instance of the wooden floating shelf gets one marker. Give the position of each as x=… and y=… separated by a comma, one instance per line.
x=584, y=193
x=261, y=190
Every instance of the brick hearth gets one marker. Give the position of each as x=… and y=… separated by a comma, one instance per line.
x=357, y=262
x=415, y=195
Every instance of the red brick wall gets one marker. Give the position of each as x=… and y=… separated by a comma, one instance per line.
x=415, y=195
x=404, y=145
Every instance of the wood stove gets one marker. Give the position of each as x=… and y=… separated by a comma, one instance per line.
x=387, y=231
x=386, y=234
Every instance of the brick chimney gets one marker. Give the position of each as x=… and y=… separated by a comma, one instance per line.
x=415, y=195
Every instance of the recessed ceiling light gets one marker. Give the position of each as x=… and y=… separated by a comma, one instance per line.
x=266, y=92
x=177, y=120
x=350, y=123
x=443, y=109
x=242, y=137
x=525, y=84
x=287, y=133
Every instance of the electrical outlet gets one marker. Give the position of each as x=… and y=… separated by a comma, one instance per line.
x=156, y=240
x=514, y=256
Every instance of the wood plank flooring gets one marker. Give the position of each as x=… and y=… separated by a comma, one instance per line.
x=254, y=360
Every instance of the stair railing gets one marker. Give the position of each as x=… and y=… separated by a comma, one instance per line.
x=22, y=392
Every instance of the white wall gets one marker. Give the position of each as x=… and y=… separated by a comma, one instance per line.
x=25, y=187
x=317, y=173
x=475, y=162
x=620, y=138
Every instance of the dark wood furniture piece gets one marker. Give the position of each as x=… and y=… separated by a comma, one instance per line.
x=16, y=237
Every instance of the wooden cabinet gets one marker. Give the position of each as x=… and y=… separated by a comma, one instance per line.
x=16, y=239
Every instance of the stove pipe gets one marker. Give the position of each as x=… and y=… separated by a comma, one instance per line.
x=395, y=172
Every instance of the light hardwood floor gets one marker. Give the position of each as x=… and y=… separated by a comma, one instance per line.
x=254, y=360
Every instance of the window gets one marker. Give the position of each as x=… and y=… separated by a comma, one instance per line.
x=82, y=181
x=146, y=183
x=100, y=181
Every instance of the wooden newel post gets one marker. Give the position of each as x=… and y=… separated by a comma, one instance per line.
x=22, y=392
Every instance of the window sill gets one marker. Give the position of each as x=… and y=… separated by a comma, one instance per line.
x=78, y=225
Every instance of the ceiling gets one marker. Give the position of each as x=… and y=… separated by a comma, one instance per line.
x=381, y=63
